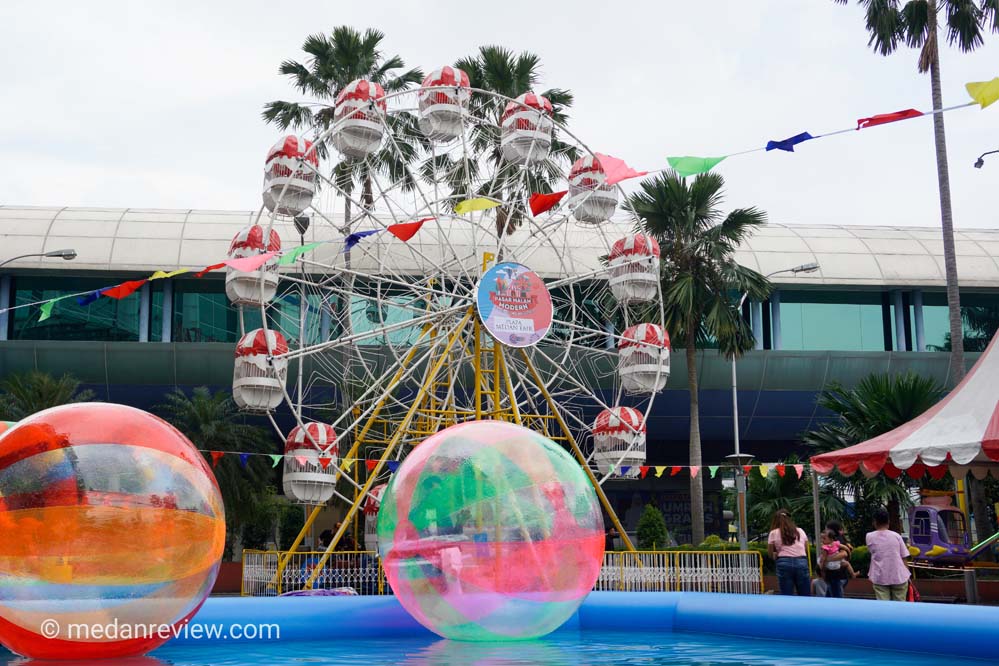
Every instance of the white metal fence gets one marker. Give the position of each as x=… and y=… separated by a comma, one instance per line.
x=271, y=572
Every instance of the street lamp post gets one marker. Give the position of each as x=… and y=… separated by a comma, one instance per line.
x=738, y=458
x=980, y=162
x=61, y=254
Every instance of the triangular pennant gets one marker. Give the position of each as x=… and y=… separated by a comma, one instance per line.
x=46, y=309
x=643, y=470
x=713, y=469
x=406, y=230
x=541, y=203
x=691, y=166
x=746, y=469
x=216, y=457
x=251, y=263
x=674, y=470
x=123, y=290
x=243, y=458
x=392, y=465
x=208, y=269
x=87, y=299
x=799, y=470
x=275, y=459
x=291, y=256
x=302, y=460
x=659, y=470
x=984, y=92
x=370, y=464
x=348, y=464
x=612, y=469
x=616, y=170
x=353, y=239
x=884, y=118
x=789, y=143
x=694, y=469
x=625, y=469
x=764, y=471
x=781, y=469
x=478, y=203
x=160, y=275
x=324, y=461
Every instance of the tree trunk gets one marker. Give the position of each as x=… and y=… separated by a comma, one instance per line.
x=696, y=482
x=980, y=507
x=894, y=515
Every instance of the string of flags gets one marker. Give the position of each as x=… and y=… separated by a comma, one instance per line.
x=324, y=461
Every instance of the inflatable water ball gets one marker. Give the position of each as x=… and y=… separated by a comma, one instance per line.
x=112, y=526
x=489, y=531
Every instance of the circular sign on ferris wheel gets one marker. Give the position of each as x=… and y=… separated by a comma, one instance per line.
x=514, y=305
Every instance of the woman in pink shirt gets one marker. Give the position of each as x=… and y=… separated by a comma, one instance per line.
x=787, y=544
x=888, y=572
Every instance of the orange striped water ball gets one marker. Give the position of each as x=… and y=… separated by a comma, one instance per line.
x=110, y=518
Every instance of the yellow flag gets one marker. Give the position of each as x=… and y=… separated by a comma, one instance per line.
x=159, y=275
x=764, y=471
x=479, y=203
x=984, y=92
x=659, y=470
x=348, y=464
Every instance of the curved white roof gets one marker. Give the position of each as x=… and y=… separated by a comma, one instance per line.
x=133, y=239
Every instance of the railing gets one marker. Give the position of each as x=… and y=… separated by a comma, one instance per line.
x=644, y=571
x=358, y=570
x=738, y=572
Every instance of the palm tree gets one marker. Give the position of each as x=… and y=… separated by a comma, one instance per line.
x=213, y=423
x=699, y=277
x=499, y=70
x=878, y=404
x=915, y=24
x=21, y=395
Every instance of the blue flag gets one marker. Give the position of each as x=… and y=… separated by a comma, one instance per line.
x=392, y=465
x=789, y=143
x=243, y=457
x=87, y=299
x=355, y=238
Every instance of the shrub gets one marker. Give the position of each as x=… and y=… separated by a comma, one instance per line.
x=652, y=532
x=860, y=558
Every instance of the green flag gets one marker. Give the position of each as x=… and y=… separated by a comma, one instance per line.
x=713, y=469
x=275, y=459
x=46, y=309
x=291, y=256
x=691, y=166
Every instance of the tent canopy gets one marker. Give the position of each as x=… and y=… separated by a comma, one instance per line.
x=960, y=433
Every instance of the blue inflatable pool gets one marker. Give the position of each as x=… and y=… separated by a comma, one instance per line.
x=924, y=629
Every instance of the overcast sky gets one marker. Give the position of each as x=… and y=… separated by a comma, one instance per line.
x=157, y=105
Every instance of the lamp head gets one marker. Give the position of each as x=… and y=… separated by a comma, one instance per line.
x=810, y=267
x=979, y=163
x=68, y=255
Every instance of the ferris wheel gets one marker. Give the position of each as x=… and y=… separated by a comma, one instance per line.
x=435, y=295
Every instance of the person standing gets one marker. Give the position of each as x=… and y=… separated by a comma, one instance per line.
x=888, y=572
x=787, y=544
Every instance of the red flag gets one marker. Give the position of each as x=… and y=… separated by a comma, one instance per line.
x=124, y=289
x=642, y=471
x=406, y=230
x=216, y=457
x=884, y=118
x=746, y=469
x=208, y=269
x=616, y=170
x=370, y=464
x=324, y=461
x=542, y=202
x=673, y=471
x=781, y=469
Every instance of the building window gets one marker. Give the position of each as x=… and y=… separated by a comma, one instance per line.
x=979, y=314
x=106, y=319
x=841, y=321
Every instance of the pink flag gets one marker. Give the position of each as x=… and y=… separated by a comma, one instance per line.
x=694, y=469
x=249, y=264
x=616, y=170
x=799, y=469
x=302, y=460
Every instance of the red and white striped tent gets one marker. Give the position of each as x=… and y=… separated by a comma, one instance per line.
x=960, y=433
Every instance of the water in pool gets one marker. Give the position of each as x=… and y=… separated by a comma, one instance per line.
x=560, y=649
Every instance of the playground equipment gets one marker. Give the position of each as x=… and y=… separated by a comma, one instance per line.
x=938, y=531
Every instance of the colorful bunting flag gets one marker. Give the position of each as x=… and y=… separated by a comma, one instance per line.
x=370, y=464
x=781, y=469
x=291, y=256
x=694, y=469
x=764, y=471
x=348, y=464
x=87, y=299
x=616, y=170
x=642, y=471
x=392, y=465
x=275, y=459
x=324, y=461
x=216, y=457
x=746, y=469
x=160, y=275
x=353, y=239
x=302, y=460
x=123, y=290
x=625, y=469
x=249, y=264
x=209, y=269
x=478, y=203
x=984, y=92
x=713, y=469
x=674, y=470
x=541, y=203
x=691, y=166
x=659, y=470
x=885, y=118
x=406, y=230
x=799, y=469
x=46, y=308
x=789, y=143
x=243, y=458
